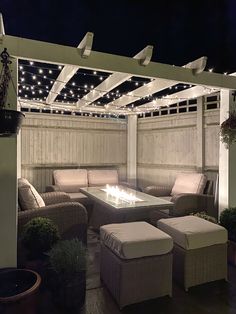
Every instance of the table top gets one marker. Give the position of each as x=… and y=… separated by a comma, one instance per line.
x=140, y=199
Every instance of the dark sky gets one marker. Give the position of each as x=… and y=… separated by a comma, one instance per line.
x=180, y=31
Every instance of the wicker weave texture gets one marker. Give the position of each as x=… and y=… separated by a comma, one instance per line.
x=135, y=280
x=71, y=218
x=55, y=197
x=194, y=267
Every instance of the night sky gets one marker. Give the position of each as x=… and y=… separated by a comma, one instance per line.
x=180, y=31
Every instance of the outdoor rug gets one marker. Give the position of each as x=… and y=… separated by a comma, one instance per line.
x=93, y=264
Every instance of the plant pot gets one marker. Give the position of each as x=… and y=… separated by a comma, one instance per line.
x=69, y=293
x=18, y=284
x=232, y=252
x=10, y=122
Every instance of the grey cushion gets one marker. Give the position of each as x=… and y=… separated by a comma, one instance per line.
x=191, y=232
x=29, y=198
x=189, y=183
x=102, y=177
x=79, y=197
x=70, y=180
x=135, y=239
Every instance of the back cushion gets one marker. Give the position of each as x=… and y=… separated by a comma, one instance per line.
x=102, y=177
x=70, y=180
x=29, y=198
x=189, y=183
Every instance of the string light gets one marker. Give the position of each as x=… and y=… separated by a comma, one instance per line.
x=103, y=94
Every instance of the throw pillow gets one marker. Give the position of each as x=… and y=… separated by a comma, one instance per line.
x=29, y=198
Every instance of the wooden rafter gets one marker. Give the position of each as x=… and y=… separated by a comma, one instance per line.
x=70, y=70
x=155, y=86
x=57, y=54
x=190, y=93
x=113, y=80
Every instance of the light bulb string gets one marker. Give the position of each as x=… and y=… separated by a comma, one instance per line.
x=149, y=98
x=136, y=97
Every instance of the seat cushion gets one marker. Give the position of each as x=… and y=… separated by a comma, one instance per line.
x=135, y=239
x=29, y=198
x=102, y=177
x=191, y=232
x=189, y=183
x=70, y=180
x=79, y=197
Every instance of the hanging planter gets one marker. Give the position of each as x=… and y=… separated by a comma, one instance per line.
x=228, y=130
x=10, y=120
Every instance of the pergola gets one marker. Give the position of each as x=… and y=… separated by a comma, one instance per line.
x=156, y=78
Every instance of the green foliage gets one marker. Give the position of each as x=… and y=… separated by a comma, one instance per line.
x=68, y=257
x=205, y=216
x=39, y=235
x=228, y=130
x=228, y=220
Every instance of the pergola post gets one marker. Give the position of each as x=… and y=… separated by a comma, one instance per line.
x=8, y=185
x=200, y=134
x=227, y=157
x=132, y=149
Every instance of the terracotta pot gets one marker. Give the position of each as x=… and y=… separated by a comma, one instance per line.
x=232, y=252
x=18, y=284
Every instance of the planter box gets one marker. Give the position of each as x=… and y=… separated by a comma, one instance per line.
x=232, y=252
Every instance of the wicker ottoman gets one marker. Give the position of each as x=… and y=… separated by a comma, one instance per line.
x=200, y=250
x=136, y=262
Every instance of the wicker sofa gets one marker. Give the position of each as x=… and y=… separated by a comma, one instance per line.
x=71, y=180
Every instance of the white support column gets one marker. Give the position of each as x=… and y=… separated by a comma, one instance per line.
x=200, y=134
x=227, y=157
x=8, y=187
x=132, y=149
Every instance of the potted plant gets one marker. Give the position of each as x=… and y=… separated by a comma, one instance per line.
x=228, y=130
x=228, y=220
x=67, y=260
x=204, y=215
x=10, y=120
x=38, y=236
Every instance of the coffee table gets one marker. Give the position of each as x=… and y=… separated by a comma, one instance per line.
x=109, y=209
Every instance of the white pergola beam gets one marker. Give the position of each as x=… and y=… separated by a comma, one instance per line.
x=145, y=55
x=70, y=70
x=86, y=44
x=189, y=93
x=72, y=107
x=197, y=66
x=156, y=85
x=52, y=53
x=140, y=92
x=113, y=80
x=2, y=28
x=63, y=78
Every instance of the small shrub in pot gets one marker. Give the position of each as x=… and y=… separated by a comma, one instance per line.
x=67, y=260
x=228, y=220
x=39, y=235
x=204, y=215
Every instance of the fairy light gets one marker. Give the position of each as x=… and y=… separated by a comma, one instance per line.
x=111, y=96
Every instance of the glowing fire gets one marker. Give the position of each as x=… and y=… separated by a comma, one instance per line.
x=120, y=194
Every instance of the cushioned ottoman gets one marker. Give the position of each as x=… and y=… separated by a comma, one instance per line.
x=136, y=262
x=200, y=249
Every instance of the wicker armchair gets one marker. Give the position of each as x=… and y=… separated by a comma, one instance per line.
x=185, y=202
x=70, y=217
